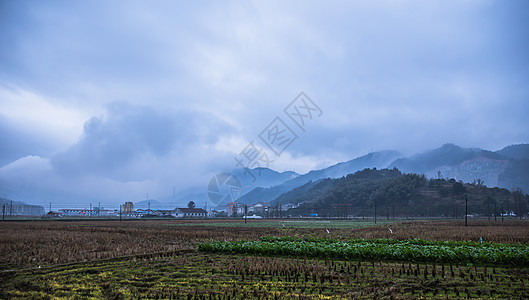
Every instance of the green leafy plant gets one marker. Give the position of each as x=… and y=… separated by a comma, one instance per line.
x=417, y=250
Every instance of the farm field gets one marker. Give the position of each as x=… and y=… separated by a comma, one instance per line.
x=160, y=259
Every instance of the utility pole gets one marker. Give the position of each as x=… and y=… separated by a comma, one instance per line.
x=520, y=208
x=3, y=212
x=363, y=212
x=393, y=208
x=99, y=209
x=120, y=213
x=90, y=212
x=466, y=211
x=496, y=212
x=11, y=210
x=50, y=206
x=502, y=212
x=245, y=213
x=488, y=211
x=375, y=213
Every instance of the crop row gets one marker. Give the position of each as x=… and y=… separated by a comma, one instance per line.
x=193, y=275
x=380, y=249
x=416, y=241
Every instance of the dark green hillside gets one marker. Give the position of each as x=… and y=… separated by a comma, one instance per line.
x=400, y=195
x=516, y=175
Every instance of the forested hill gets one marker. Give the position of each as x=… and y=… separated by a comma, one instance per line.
x=402, y=195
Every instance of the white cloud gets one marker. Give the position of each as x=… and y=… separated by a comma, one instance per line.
x=27, y=164
x=61, y=124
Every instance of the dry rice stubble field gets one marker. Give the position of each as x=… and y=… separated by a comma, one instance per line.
x=148, y=259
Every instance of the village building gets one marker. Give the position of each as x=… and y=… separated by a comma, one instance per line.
x=231, y=208
x=163, y=212
x=128, y=208
x=189, y=213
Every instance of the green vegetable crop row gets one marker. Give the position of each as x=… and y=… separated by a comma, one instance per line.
x=381, y=249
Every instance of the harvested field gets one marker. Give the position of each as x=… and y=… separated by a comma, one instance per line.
x=159, y=259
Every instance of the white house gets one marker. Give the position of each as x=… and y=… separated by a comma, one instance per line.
x=189, y=213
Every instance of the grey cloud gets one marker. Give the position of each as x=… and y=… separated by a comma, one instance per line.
x=130, y=134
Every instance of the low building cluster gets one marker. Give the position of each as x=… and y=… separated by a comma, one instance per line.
x=10, y=209
x=127, y=211
x=234, y=209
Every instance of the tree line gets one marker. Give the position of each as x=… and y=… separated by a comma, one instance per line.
x=392, y=194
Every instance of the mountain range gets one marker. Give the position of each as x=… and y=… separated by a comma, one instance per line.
x=372, y=160
x=507, y=168
x=249, y=179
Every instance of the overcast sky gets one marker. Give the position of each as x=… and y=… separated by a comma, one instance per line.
x=111, y=100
